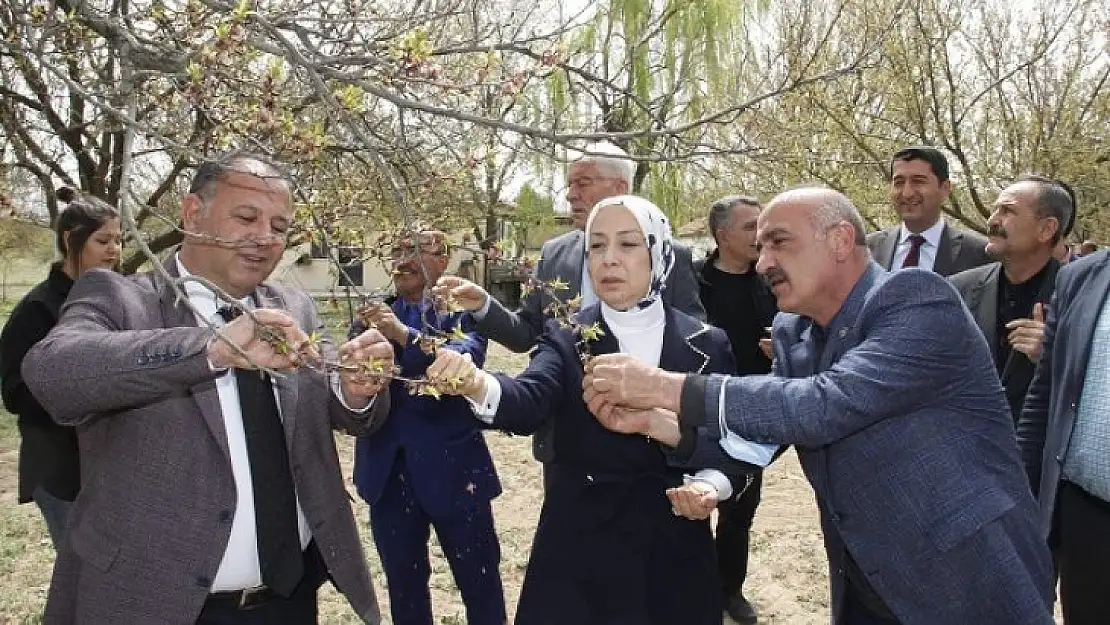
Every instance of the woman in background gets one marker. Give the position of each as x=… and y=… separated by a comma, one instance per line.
x=88, y=237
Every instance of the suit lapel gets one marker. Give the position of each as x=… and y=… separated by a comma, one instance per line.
x=948, y=251
x=841, y=329
x=887, y=246
x=983, y=301
x=573, y=260
x=175, y=314
x=679, y=352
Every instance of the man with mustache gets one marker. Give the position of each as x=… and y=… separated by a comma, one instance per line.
x=887, y=390
x=737, y=300
x=211, y=493
x=428, y=466
x=1008, y=297
x=919, y=186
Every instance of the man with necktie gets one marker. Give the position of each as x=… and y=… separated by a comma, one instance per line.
x=212, y=492
x=918, y=188
x=428, y=466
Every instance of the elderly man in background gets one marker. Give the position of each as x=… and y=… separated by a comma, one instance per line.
x=888, y=392
x=428, y=466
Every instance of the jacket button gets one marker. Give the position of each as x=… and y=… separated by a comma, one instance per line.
x=225, y=516
x=203, y=581
x=1060, y=458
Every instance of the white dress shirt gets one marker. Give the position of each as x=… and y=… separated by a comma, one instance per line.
x=927, y=255
x=239, y=568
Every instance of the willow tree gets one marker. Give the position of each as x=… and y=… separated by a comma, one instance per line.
x=1004, y=92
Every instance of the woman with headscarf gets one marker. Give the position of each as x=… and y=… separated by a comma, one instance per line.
x=88, y=237
x=611, y=546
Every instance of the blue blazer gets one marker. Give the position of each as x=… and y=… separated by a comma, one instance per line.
x=1050, y=407
x=903, y=430
x=441, y=441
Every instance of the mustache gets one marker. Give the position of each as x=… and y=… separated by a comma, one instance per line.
x=996, y=231
x=774, y=274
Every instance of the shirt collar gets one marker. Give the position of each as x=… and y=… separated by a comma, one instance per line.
x=931, y=234
x=201, y=297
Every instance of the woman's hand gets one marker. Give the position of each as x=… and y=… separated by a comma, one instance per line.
x=695, y=501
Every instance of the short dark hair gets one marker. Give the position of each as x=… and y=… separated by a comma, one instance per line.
x=1056, y=199
x=82, y=216
x=720, y=212
x=213, y=171
x=936, y=159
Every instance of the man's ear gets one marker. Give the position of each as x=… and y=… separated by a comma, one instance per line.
x=191, y=209
x=945, y=189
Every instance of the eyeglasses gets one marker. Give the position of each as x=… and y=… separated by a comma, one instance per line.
x=406, y=252
x=585, y=182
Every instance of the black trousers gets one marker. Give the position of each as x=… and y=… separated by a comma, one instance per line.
x=734, y=524
x=298, y=609
x=1084, y=556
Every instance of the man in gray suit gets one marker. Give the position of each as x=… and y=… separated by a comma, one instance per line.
x=886, y=389
x=603, y=171
x=212, y=494
x=919, y=186
x=1008, y=298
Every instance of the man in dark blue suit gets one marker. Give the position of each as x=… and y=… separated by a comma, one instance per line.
x=1064, y=435
x=887, y=390
x=428, y=464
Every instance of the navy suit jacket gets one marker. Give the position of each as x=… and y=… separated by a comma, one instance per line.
x=444, y=450
x=1050, y=407
x=903, y=430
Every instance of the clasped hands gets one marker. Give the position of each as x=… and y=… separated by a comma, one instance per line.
x=294, y=348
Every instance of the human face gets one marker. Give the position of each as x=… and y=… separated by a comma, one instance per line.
x=410, y=265
x=798, y=262
x=1014, y=228
x=619, y=261
x=587, y=185
x=102, y=249
x=737, y=240
x=917, y=194
x=237, y=236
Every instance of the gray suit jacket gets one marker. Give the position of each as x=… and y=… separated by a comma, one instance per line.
x=960, y=250
x=1052, y=403
x=128, y=366
x=562, y=258
x=979, y=289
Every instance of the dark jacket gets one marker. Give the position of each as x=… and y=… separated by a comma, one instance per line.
x=47, y=451
x=979, y=289
x=744, y=334
x=607, y=540
x=1052, y=404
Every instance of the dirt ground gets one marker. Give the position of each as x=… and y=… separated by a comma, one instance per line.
x=787, y=580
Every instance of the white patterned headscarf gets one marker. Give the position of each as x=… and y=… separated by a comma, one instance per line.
x=657, y=233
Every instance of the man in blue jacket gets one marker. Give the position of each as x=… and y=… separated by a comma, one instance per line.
x=428, y=465
x=888, y=392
